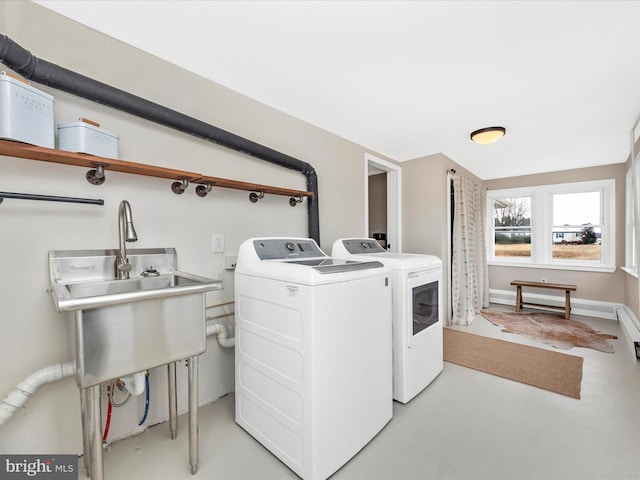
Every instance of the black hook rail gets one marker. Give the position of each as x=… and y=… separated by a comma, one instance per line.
x=49, y=198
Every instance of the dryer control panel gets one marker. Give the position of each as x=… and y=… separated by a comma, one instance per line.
x=362, y=245
x=284, y=249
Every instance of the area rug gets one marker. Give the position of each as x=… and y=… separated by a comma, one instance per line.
x=551, y=329
x=553, y=371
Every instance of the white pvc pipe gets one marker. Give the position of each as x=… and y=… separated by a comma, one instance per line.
x=220, y=331
x=19, y=395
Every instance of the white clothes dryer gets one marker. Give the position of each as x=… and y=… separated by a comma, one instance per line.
x=417, y=312
x=313, y=352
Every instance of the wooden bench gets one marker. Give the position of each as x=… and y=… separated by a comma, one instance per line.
x=555, y=286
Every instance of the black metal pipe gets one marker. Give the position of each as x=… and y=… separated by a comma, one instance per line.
x=49, y=198
x=46, y=73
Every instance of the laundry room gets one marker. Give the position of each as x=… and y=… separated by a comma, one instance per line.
x=202, y=177
x=163, y=219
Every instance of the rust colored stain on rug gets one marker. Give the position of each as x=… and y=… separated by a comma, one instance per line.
x=551, y=329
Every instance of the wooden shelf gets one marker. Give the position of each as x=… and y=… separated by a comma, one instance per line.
x=32, y=152
x=251, y=187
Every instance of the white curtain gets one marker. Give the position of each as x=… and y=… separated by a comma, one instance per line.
x=469, y=275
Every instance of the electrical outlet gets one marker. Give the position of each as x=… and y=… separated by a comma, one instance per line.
x=217, y=243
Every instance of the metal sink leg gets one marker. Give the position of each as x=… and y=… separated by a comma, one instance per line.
x=193, y=414
x=85, y=435
x=95, y=432
x=173, y=403
x=92, y=427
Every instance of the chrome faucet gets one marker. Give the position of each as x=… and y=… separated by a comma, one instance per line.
x=126, y=233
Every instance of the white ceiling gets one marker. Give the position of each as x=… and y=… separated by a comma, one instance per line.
x=409, y=79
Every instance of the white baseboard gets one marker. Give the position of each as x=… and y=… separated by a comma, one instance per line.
x=631, y=328
x=579, y=306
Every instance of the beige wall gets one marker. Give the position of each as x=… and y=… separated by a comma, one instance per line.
x=424, y=203
x=424, y=206
x=34, y=335
x=425, y=223
x=608, y=287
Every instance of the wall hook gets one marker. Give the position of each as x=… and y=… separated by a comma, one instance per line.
x=254, y=197
x=293, y=201
x=179, y=187
x=202, y=190
x=96, y=177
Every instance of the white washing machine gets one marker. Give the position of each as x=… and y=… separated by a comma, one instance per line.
x=417, y=312
x=313, y=352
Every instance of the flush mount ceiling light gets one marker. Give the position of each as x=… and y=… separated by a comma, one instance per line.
x=488, y=135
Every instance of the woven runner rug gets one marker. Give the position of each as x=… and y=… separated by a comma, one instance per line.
x=553, y=371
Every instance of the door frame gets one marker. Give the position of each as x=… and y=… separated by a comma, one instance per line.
x=394, y=200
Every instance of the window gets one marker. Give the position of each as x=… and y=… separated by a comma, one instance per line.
x=577, y=226
x=512, y=224
x=569, y=226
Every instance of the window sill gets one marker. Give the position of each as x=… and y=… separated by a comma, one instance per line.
x=547, y=266
x=633, y=273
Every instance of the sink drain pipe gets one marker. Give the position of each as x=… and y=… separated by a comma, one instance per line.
x=219, y=329
x=19, y=395
x=221, y=333
x=46, y=73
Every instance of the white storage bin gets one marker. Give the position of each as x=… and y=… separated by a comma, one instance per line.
x=26, y=113
x=89, y=138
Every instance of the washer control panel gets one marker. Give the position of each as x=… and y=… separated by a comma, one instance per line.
x=283, y=248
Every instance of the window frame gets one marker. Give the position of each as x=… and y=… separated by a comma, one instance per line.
x=542, y=223
x=630, y=264
x=491, y=224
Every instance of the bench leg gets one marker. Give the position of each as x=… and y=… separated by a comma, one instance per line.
x=567, y=304
x=518, y=298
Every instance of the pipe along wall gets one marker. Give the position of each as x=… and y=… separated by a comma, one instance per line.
x=41, y=71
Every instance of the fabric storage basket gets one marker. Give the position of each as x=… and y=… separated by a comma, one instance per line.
x=85, y=136
x=26, y=113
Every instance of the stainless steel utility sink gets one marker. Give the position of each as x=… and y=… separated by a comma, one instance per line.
x=126, y=326
x=104, y=293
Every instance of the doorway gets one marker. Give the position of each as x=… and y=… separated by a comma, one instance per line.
x=383, y=191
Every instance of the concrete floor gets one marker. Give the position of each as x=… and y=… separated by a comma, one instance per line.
x=465, y=425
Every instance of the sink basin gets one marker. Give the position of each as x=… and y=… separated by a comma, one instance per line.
x=122, y=327
x=111, y=287
x=104, y=293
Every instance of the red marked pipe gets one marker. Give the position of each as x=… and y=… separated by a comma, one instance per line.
x=106, y=427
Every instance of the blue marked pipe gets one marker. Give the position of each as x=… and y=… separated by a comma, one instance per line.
x=146, y=403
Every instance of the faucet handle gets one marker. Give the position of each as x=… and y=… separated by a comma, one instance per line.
x=125, y=267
